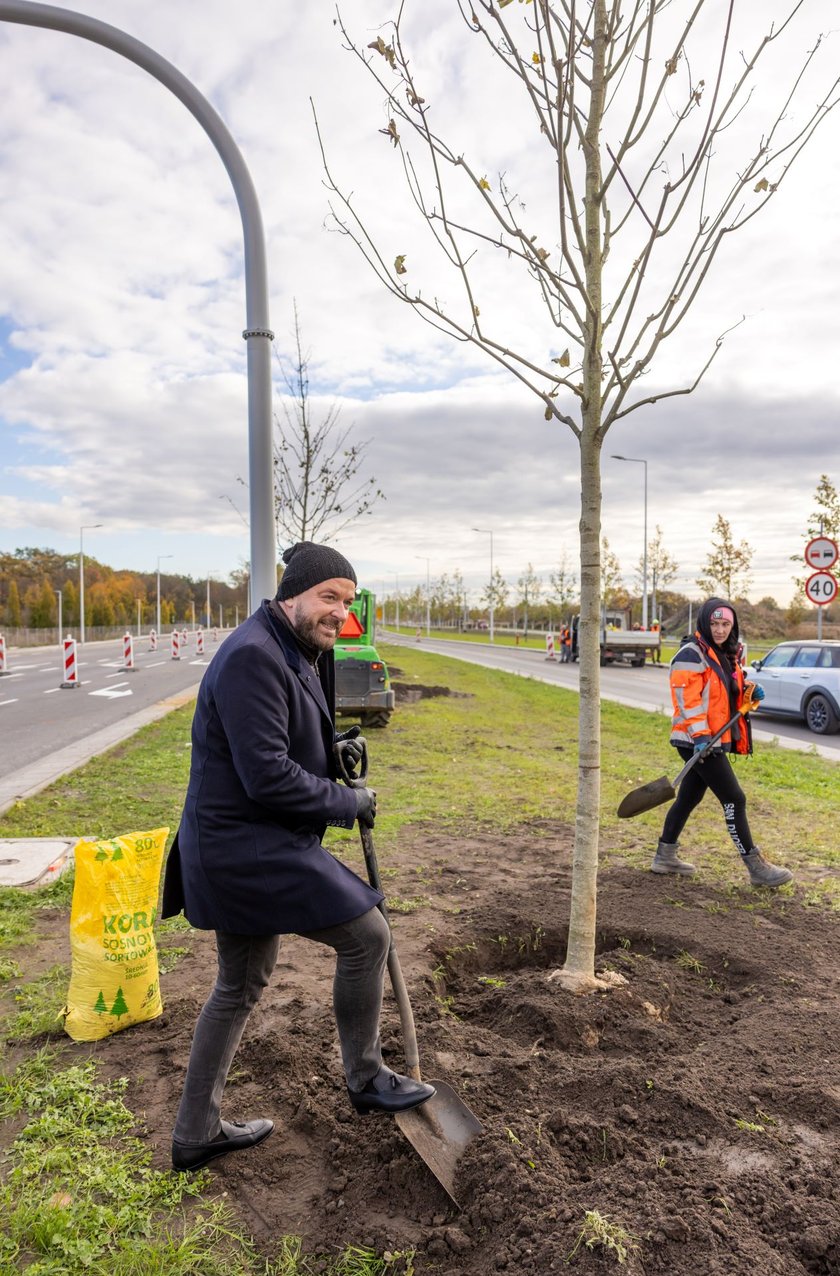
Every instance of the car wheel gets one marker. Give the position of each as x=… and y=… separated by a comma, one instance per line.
x=820, y=716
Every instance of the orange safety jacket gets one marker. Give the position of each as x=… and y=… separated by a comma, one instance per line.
x=700, y=697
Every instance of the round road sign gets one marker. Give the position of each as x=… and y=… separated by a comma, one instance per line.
x=821, y=553
x=821, y=588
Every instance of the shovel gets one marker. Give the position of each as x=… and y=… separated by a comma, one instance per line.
x=655, y=792
x=441, y=1128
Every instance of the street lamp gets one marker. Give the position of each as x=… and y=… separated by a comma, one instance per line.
x=485, y=531
x=157, y=613
x=423, y=558
x=88, y=527
x=639, y=461
x=397, y=579
x=59, y=592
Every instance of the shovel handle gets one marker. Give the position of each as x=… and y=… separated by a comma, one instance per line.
x=746, y=707
x=354, y=779
x=409, y=1032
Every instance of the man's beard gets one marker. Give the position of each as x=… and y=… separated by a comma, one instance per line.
x=308, y=629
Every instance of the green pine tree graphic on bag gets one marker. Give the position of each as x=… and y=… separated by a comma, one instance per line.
x=119, y=1007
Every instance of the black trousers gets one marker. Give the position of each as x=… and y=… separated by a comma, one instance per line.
x=713, y=772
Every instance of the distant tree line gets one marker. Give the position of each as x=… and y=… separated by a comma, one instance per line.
x=31, y=578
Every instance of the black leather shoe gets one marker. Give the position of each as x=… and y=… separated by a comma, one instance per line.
x=233, y=1136
x=390, y=1092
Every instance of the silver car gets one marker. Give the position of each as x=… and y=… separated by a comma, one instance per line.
x=802, y=680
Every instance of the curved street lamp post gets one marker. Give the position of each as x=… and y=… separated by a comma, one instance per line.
x=257, y=334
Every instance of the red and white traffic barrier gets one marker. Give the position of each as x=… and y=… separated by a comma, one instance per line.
x=176, y=645
x=199, y=643
x=215, y=635
x=152, y=640
x=185, y=637
x=128, y=653
x=4, y=669
x=71, y=669
x=549, y=647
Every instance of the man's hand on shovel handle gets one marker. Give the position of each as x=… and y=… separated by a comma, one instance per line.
x=366, y=807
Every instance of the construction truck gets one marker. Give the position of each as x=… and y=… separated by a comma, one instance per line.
x=618, y=640
x=362, y=686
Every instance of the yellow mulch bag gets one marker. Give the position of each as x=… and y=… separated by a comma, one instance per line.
x=114, y=975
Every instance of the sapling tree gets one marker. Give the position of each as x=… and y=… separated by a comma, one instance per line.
x=727, y=569
x=318, y=488
x=563, y=583
x=613, y=153
x=662, y=567
x=529, y=586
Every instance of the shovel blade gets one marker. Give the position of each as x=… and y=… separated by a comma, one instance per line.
x=440, y=1130
x=646, y=798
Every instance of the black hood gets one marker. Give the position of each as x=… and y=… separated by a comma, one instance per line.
x=704, y=627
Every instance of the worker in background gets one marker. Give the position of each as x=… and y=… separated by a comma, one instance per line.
x=707, y=689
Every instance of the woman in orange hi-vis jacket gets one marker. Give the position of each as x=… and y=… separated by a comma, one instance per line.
x=707, y=689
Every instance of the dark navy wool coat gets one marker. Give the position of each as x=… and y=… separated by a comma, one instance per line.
x=248, y=857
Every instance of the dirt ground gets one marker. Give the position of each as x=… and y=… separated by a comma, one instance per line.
x=697, y=1106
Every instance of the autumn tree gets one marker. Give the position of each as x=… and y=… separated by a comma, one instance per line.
x=13, y=609
x=727, y=569
x=318, y=490
x=569, y=227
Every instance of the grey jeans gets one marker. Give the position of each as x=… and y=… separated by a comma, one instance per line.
x=246, y=963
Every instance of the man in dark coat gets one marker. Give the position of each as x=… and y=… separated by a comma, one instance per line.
x=247, y=861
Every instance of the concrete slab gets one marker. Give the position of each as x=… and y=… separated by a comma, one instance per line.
x=34, y=861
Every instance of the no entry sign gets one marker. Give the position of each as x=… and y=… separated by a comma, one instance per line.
x=821, y=588
x=821, y=553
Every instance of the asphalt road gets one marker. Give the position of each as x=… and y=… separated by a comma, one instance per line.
x=645, y=688
x=38, y=717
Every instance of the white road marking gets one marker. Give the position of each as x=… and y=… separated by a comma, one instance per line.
x=199, y=662
x=155, y=664
x=2, y=702
x=112, y=692
x=50, y=690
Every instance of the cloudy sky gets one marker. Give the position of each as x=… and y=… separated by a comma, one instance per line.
x=122, y=373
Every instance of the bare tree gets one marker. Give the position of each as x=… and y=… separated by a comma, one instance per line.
x=530, y=588
x=824, y=520
x=610, y=575
x=727, y=564
x=317, y=489
x=495, y=592
x=564, y=585
x=638, y=170
x=662, y=567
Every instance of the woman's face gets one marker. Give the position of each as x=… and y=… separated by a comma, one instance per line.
x=721, y=629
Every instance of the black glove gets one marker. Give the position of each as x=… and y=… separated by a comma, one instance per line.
x=365, y=806
x=352, y=747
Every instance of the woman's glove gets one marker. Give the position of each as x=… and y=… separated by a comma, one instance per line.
x=701, y=743
x=757, y=693
x=366, y=806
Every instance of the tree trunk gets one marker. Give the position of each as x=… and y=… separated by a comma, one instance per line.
x=578, y=972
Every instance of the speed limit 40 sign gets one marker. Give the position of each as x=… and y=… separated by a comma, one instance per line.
x=821, y=588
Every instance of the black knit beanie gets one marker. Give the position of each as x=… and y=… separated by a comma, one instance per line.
x=308, y=564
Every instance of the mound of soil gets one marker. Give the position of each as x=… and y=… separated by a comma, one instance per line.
x=696, y=1106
